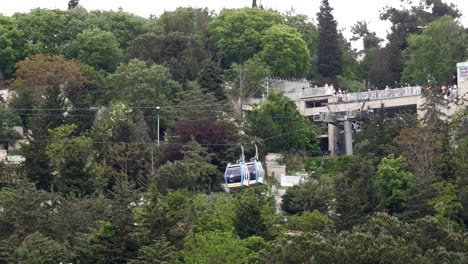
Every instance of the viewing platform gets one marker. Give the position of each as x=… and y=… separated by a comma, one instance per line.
x=339, y=113
x=314, y=101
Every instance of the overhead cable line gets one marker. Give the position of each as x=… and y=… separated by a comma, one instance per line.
x=167, y=144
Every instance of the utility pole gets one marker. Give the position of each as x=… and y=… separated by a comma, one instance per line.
x=157, y=108
x=152, y=146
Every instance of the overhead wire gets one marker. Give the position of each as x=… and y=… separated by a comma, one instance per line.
x=167, y=117
x=97, y=108
x=163, y=143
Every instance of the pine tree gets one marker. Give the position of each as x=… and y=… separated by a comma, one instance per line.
x=211, y=79
x=433, y=107
x=329, y=59
x=37, y=164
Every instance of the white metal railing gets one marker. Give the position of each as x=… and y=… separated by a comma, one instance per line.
x=317, y=91
x=369, y=95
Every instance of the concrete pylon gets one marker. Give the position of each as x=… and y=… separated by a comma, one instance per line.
x=348, y=137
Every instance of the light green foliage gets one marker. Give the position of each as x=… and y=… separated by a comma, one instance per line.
x=310, y=222
x=124, y=26
x=350, y=85
x=39, y=249
x=349, y=79
x=447, y=204
x=236, y=33
x=73, y=162
x=279, y=116
x=213, y=212
x=141, y=84
x=214, y=247
x=59, y=149
x=12, y=44
x=43, y=29
x=248, y=78
x=393, y=180
x=108, y=122
x=309, y=32
x=284, y=50
x=314, y=166
x=76, y=21
x=98, y=48
x=435, y=52
x=158, y=252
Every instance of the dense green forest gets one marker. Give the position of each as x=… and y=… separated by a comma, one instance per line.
x=131, y=121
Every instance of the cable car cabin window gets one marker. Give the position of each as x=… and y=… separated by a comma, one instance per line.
x=233, y=174
x=252, y=171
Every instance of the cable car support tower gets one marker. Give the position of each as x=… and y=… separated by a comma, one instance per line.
x=348, y=120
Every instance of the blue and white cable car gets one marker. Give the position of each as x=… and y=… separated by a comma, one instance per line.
x=244, y=174
x=237, y=175
x=256, y=172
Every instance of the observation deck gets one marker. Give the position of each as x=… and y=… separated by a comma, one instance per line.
x=314, y=101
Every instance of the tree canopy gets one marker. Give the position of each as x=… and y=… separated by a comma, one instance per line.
x=116, y=131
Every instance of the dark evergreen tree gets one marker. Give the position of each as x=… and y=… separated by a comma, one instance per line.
x=329, y=59
x=37, y=164
x=356, y=195
x=73, y=3
x=309, y=196
x=210, y=78
x=361, y=31
x=113, y=243
x=250, y=215
x=433, y=107
x=416, y=198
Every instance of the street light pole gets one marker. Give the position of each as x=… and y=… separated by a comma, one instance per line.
x=152, y=146
x=157, y=108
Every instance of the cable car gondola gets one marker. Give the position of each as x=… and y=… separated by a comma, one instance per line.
x=242, y=174
x=237, y=175
x=256, y=172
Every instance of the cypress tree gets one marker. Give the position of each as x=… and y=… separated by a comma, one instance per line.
x=329, y=59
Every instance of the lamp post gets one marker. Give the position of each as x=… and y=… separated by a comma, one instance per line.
x=157, y=108
x=152, y=146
